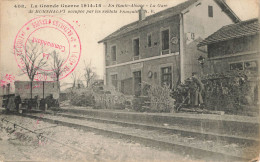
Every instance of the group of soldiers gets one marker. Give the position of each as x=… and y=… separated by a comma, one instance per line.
x=11, y=102
x=14, y=102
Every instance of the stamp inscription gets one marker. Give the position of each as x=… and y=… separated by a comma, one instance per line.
x=46, y=35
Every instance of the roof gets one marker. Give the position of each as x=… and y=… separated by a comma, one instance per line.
x=244, y=28
x=225, y=8
x=173, y=11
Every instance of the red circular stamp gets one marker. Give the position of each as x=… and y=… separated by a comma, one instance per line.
x=47, y=48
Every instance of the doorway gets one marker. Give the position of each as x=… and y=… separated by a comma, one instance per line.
x=137, y=83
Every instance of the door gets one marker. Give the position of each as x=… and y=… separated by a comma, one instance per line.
x=137, y=83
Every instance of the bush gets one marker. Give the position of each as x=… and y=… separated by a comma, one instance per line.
x=109, y=98
x=81, y=97
x=230, y=91
x=106, y=98
x=158, y=99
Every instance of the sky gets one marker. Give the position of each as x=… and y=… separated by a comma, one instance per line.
x=91, y=27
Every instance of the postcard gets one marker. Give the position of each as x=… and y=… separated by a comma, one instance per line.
x=136, y=80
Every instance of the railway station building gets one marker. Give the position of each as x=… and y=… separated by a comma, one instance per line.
x=162, y=48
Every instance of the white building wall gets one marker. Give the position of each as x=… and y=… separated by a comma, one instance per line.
x=197, y=20
x=197, y=25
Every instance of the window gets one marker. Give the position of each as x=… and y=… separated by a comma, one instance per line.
x=192, y=36
x=247, y=65
x=113, y=53
x=137, y=83
x=210, y=11
x=251, y=65
x=165, y=40
x=136, y=47
x=149, y=40
x=106, y=55
x=114, y=81
x=236, y=66
x=105, y=46
x=166, y=76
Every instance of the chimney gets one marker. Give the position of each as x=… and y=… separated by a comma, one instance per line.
x=141, y=13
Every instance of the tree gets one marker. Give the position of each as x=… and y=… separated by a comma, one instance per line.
x=33, y=60
x=89, y=74
x=75, y=75
x=56, y=67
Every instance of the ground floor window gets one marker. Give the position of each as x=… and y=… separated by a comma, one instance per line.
x=251, y=65
x=247, y=65
x=126, y=86
x=114, y=81
x=236, y=66
x=166, y=77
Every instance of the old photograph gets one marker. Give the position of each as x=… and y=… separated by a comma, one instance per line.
x=136, y=80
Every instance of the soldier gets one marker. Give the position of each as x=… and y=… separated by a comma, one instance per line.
x=17, y=101
x=196, y=90
x=37, y=102
x=11, y=104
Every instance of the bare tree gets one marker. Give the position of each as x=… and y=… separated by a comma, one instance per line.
x=33, y=60
x=75, y=75
x=89, y=74
x=74, y=78
x=56, y=67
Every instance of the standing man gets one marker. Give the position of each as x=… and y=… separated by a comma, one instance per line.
x=37, y=102
x=196, y=90
x=17, y=101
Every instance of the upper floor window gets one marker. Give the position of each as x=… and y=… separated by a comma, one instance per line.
x=210, y=11
x=149, y=40
x=113, y=53
x=165, y=39
x=136, y=46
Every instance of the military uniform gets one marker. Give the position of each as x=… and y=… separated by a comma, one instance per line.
x=196, y=90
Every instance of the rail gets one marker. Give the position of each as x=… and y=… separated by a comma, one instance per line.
x=40, y=135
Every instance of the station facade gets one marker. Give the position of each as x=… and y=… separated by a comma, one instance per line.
x=162, y=48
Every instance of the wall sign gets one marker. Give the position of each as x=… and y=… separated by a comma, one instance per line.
x=138, y=65
x=174, y=40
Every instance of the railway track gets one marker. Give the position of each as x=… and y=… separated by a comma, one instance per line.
x=196, y=144
x=41, y=136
